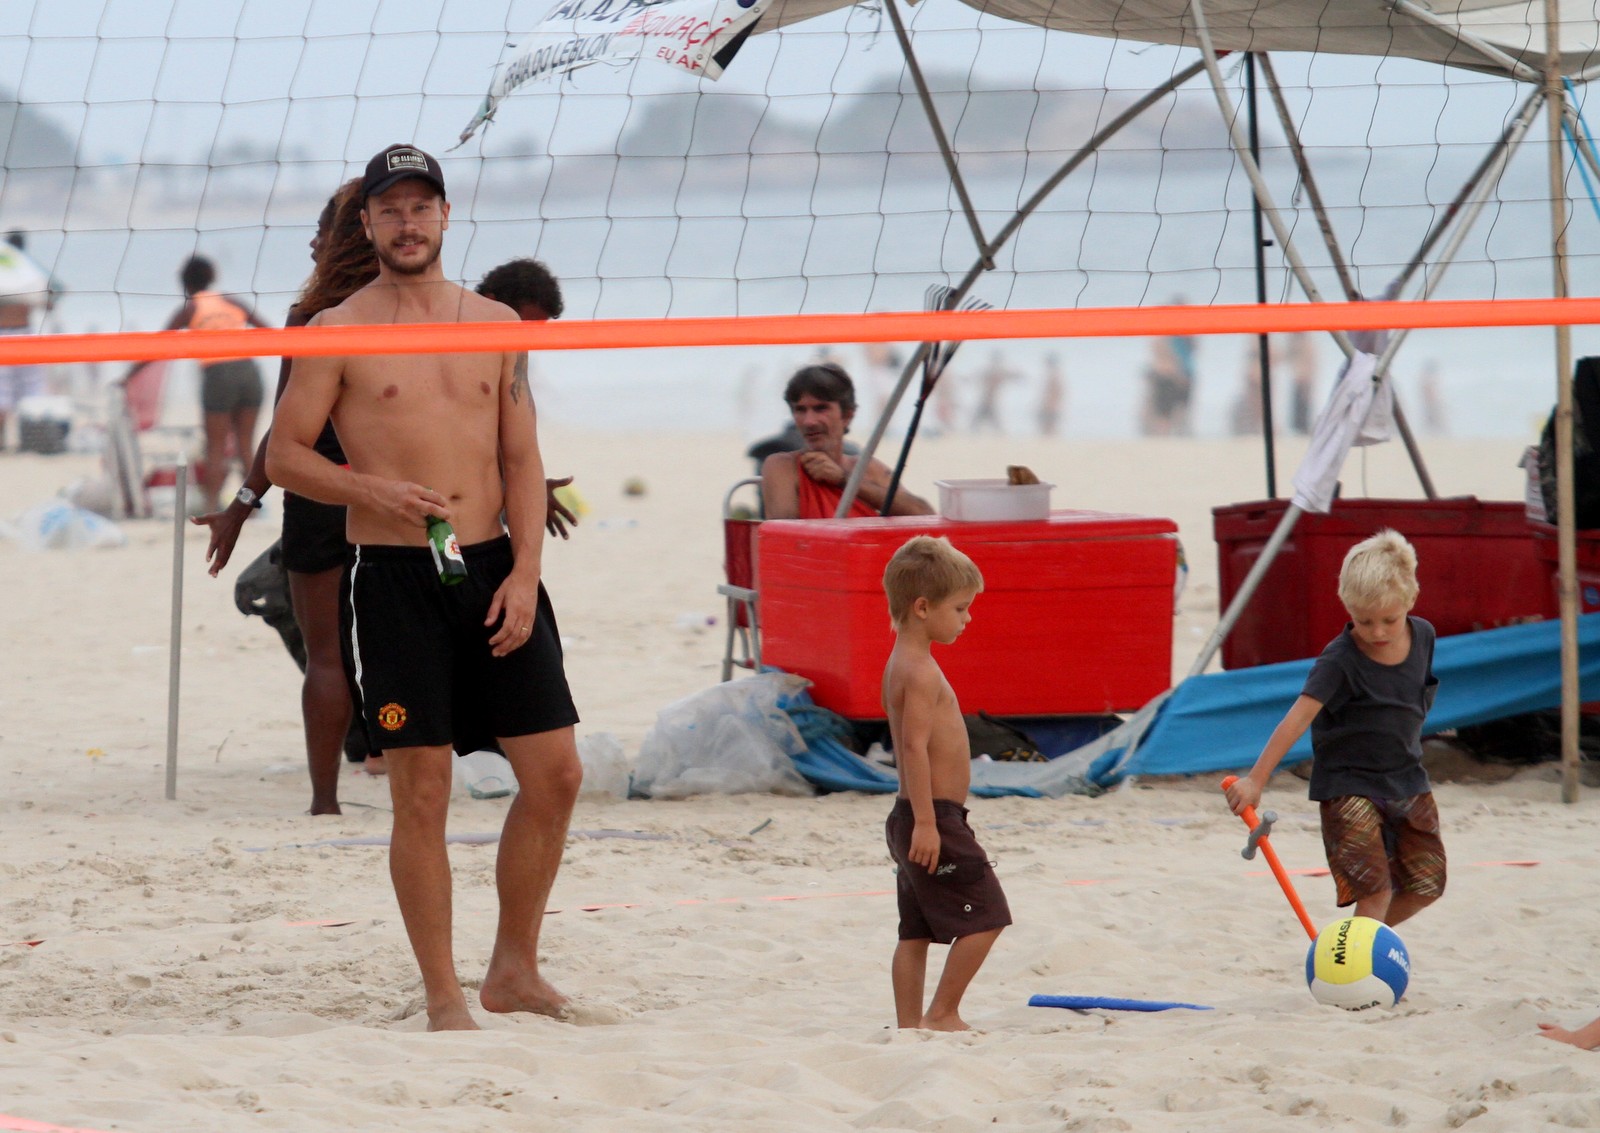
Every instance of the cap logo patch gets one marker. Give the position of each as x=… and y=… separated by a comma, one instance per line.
x=407, y=159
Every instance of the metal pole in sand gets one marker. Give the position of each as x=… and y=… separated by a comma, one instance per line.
x=1566, y=523
x=180, y=508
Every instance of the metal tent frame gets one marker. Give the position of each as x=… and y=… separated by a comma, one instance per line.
x=1466, y=49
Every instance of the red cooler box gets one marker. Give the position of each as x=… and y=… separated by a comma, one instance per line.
x=1075, y=616
x=1476, y=562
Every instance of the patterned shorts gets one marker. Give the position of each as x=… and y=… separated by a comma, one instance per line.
x=1378, y=844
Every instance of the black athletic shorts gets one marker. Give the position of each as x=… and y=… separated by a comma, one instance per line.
x=424, y=675
x=313, y=535
x=962, y=896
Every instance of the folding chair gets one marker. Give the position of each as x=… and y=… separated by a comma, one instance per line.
x=739, y=567
x=143, y=415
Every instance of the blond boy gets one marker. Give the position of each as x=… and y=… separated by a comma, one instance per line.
x=1365, y=701
x=947, y=889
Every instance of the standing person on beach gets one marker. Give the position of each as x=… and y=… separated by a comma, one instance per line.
x=230, y=388
x=452, y=437
x=26, y=288
x=1169, y=378
x=809, y=484
x=992, y=381
x=533, y=292
x=313, y=546
x=1365, y=701
x=527, y=287
x=946, y=889
x=1052, y=396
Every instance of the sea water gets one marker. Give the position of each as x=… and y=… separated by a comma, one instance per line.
x=1493, y=382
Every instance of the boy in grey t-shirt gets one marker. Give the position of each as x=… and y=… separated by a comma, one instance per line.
x=1365, y=701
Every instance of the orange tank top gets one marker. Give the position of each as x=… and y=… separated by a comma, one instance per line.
x=215, y=312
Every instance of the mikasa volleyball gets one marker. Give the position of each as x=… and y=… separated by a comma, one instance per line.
x=1358, y=963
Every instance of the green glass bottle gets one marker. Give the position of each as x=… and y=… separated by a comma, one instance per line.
x=446, y=551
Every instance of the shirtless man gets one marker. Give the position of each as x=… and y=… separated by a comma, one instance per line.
x=453, y=436
x=809, y=484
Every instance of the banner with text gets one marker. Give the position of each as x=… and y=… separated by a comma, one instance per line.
x=699, y=37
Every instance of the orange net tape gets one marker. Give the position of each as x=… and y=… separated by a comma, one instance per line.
x=771, y=330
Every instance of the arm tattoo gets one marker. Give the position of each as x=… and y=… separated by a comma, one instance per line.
x=519, y=381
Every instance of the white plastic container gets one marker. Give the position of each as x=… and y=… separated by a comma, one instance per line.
x=992, y=500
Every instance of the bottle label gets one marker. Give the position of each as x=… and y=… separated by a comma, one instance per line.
x=447, y=557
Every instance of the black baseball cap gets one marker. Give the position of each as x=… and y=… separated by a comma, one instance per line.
x=397, y=163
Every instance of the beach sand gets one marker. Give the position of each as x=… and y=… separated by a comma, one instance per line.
x=222, y=962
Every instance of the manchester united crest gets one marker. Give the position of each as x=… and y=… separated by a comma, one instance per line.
x=392, y=717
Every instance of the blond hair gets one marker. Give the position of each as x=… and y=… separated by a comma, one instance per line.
x=1377, y=571
x=928, y=567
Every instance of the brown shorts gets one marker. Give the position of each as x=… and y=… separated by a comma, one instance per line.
x=1379, y=844
x=962, y=897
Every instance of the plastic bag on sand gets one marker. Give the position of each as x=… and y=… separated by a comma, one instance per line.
x=484, y=774
x=731, y=739
x=57, y=525
x=605, y=766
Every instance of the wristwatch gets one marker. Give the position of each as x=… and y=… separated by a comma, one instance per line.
x=248, y=498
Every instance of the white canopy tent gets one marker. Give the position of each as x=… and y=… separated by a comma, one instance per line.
x=1547, y=44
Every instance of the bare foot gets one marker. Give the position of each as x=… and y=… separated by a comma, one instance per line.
x=374, y=765
x=504, y=992
x=944, y=1023
x=1586, y=1038
x=451, y=1017
x=318, y=807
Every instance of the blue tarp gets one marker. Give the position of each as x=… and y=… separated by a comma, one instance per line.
x=1220, y=721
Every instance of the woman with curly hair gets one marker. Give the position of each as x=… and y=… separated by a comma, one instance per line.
x=313, y=533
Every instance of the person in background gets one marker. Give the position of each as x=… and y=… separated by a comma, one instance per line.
x=533, y=292
x=992, y=380
x=527, y=287
x=1052, y=396
x=313, y=533
x=1169, y=379
x=27, y=289
x=810, y=483
x=1301, y=352
x=230, y=388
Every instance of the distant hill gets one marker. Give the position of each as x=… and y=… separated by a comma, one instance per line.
x=31, y=139
x=887, y=116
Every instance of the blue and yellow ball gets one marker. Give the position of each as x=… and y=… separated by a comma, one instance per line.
x=1358, y=963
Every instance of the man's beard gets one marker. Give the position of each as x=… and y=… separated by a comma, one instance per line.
x=385, y=257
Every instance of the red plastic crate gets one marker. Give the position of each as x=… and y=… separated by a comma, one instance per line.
x=1075, y=616
x=1476, y=562
x=1588, y=548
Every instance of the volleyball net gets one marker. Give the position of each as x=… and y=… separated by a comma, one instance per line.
x=794, y=175
x=756, y=330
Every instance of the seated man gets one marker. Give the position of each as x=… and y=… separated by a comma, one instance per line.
x=809, y=483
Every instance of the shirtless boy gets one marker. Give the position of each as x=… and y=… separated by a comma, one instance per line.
x=453, y=436
x=946, y=888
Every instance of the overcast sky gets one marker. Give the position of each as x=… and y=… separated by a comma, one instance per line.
x=283, y=98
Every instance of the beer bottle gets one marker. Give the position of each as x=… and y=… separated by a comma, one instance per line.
x=446, y=551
